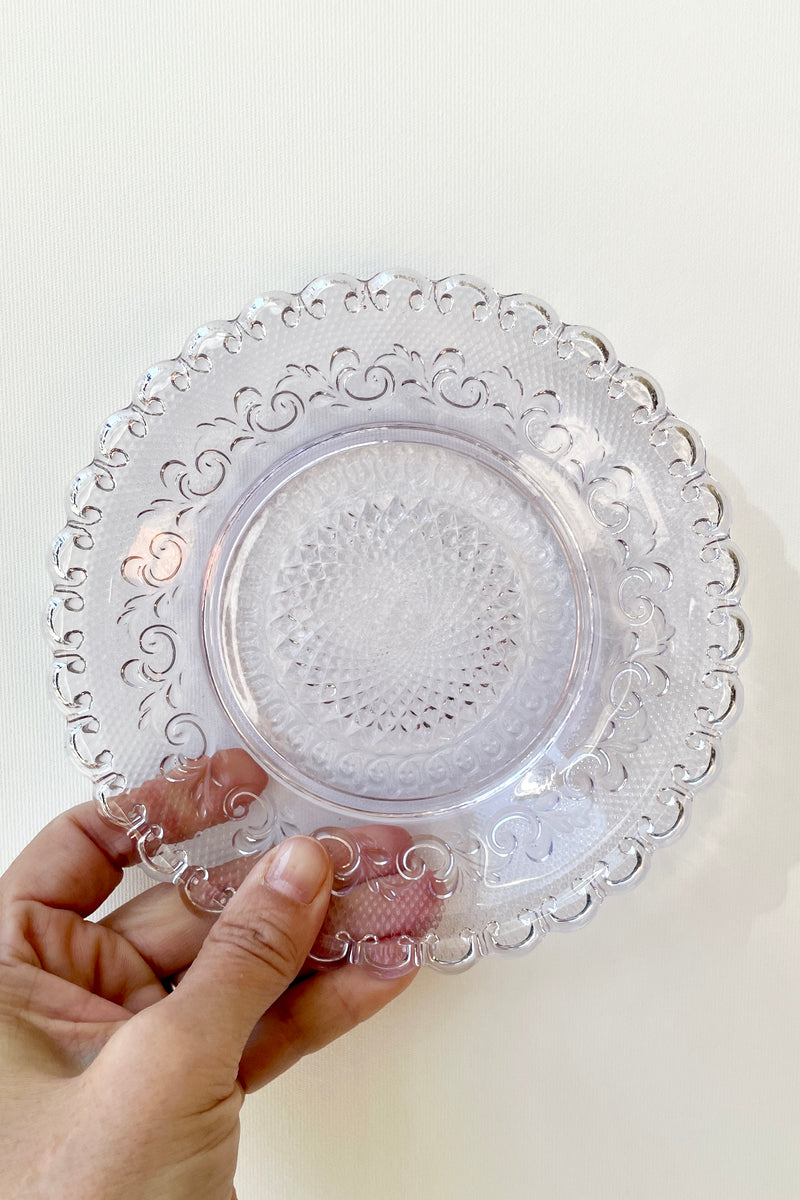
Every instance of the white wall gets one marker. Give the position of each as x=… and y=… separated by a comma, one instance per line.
x=637, y=166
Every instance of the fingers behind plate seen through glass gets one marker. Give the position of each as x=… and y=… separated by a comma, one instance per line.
x=383, y=903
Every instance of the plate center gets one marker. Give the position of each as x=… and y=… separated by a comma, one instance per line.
x=397, y=618
x=394, y=620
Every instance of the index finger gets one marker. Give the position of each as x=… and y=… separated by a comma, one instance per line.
x=77, y=860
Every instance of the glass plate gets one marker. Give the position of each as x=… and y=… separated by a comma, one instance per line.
x=415, y=568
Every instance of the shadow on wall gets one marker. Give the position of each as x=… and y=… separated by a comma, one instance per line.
x=757, y=836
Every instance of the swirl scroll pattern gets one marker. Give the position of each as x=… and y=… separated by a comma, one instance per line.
x=499, y=392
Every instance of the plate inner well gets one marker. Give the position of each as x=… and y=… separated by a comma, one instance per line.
x=395, y=620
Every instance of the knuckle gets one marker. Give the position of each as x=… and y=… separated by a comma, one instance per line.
x=269, y=943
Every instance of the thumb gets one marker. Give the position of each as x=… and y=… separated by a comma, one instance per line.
x=251, y=954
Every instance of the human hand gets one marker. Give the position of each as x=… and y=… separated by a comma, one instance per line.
x=114, y=1088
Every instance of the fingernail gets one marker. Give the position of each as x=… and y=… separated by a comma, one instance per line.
x=299, y=869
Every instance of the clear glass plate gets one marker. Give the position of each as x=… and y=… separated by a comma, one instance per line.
x=415, y=568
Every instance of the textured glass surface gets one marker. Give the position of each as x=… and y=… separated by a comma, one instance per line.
x=389, y=616
x=418, y=569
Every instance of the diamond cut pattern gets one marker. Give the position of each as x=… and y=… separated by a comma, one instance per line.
x=398, y=619
x=401, y=617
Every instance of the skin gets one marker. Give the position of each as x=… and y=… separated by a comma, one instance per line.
x=113, y=1087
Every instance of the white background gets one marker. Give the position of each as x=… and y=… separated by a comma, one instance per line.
x=636, y=166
